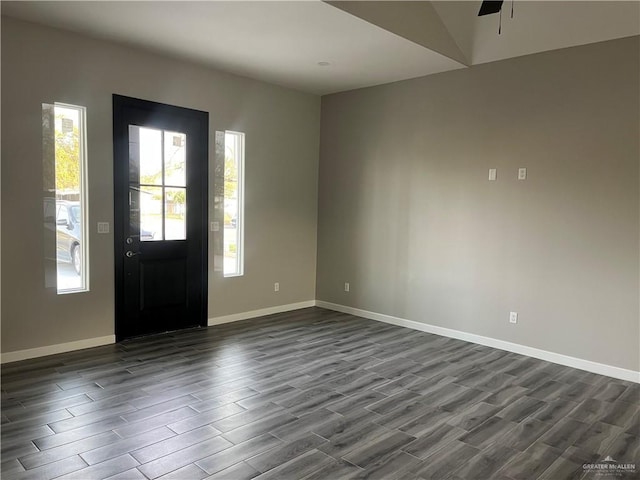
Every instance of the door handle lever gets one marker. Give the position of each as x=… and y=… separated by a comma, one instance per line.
x=130, y=254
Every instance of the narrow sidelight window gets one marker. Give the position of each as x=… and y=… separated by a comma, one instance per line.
x=234, y=204
x=66, y=206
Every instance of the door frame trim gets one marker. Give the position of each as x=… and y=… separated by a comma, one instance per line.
x=121, y=178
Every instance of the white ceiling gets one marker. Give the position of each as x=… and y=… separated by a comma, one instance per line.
x=282, y=42
x=536, y=26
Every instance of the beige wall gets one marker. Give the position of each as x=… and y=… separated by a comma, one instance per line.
x=407, y=216
x=282, y=134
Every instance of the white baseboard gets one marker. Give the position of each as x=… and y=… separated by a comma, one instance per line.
x=58, y=348
x=108, y=339
x=236, y=317
x=579, y=363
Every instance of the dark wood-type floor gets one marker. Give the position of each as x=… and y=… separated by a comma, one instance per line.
x=309, y=394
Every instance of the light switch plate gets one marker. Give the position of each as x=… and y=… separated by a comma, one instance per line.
x=215, y=226
x=493, y=174
x=103, y=227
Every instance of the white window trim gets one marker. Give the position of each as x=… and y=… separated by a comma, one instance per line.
x=84, y=199
x=240, y=220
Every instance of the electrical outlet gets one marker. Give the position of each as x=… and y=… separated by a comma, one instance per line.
x=513, y=317
x=276, y=287
x=346, y=286
x=522, y=174
x=215, y=226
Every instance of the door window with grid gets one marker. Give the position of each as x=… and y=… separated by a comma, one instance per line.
x=161, y=181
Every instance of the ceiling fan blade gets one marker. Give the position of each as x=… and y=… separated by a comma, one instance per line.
x=489, y=6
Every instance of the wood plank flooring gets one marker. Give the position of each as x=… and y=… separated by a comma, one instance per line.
x=310, y=394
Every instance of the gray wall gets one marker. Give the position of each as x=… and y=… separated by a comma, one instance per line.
x=282, y=135
x=407, y=216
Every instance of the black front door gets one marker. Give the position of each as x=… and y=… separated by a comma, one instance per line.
x=160, y=222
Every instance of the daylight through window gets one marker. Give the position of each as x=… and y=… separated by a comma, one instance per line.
x=68, y=205
x=233, y=204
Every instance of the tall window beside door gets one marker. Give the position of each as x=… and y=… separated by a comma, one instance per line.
x=233, y=204
x=65, y=198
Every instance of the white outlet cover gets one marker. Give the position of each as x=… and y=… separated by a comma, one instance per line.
x=522, y=174
x=513, y=317
x=215, y=226
x=493, y=174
